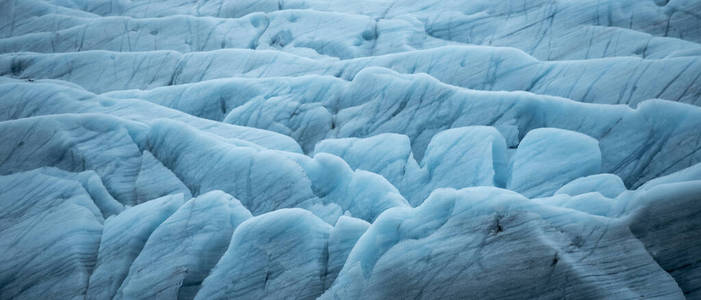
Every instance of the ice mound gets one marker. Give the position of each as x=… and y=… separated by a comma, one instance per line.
x=547, y=158
x=305, y=149
x=486, y=242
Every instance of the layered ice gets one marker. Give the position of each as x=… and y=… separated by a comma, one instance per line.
x=187, y=244
x=51, y=231
x=485, y=242
x=458, y=157
x=311, y=149
x=272, y=256
x=123, y=238
x=474, y=67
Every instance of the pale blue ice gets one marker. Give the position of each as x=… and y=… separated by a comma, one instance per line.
x=384, y=149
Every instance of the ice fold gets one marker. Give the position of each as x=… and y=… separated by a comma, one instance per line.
x=487, y=242
x=123, y=238
x=180, y=252
x=272, y=256
x=58, y=252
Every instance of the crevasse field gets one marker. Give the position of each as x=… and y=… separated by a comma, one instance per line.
x=336, y=149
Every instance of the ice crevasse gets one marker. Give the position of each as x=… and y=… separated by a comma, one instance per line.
x=305, y=149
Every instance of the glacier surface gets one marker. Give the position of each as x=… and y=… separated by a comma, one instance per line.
x=384, y=149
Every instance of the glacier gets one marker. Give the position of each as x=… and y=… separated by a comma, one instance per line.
x=384, y=149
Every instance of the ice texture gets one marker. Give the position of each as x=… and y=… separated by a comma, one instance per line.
x=485, y=242
x=371, y=149
x=123, y=238
x=187, y=244
x=608, y=185
x=547, y=158
x=51, y=233
x=272, y=256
